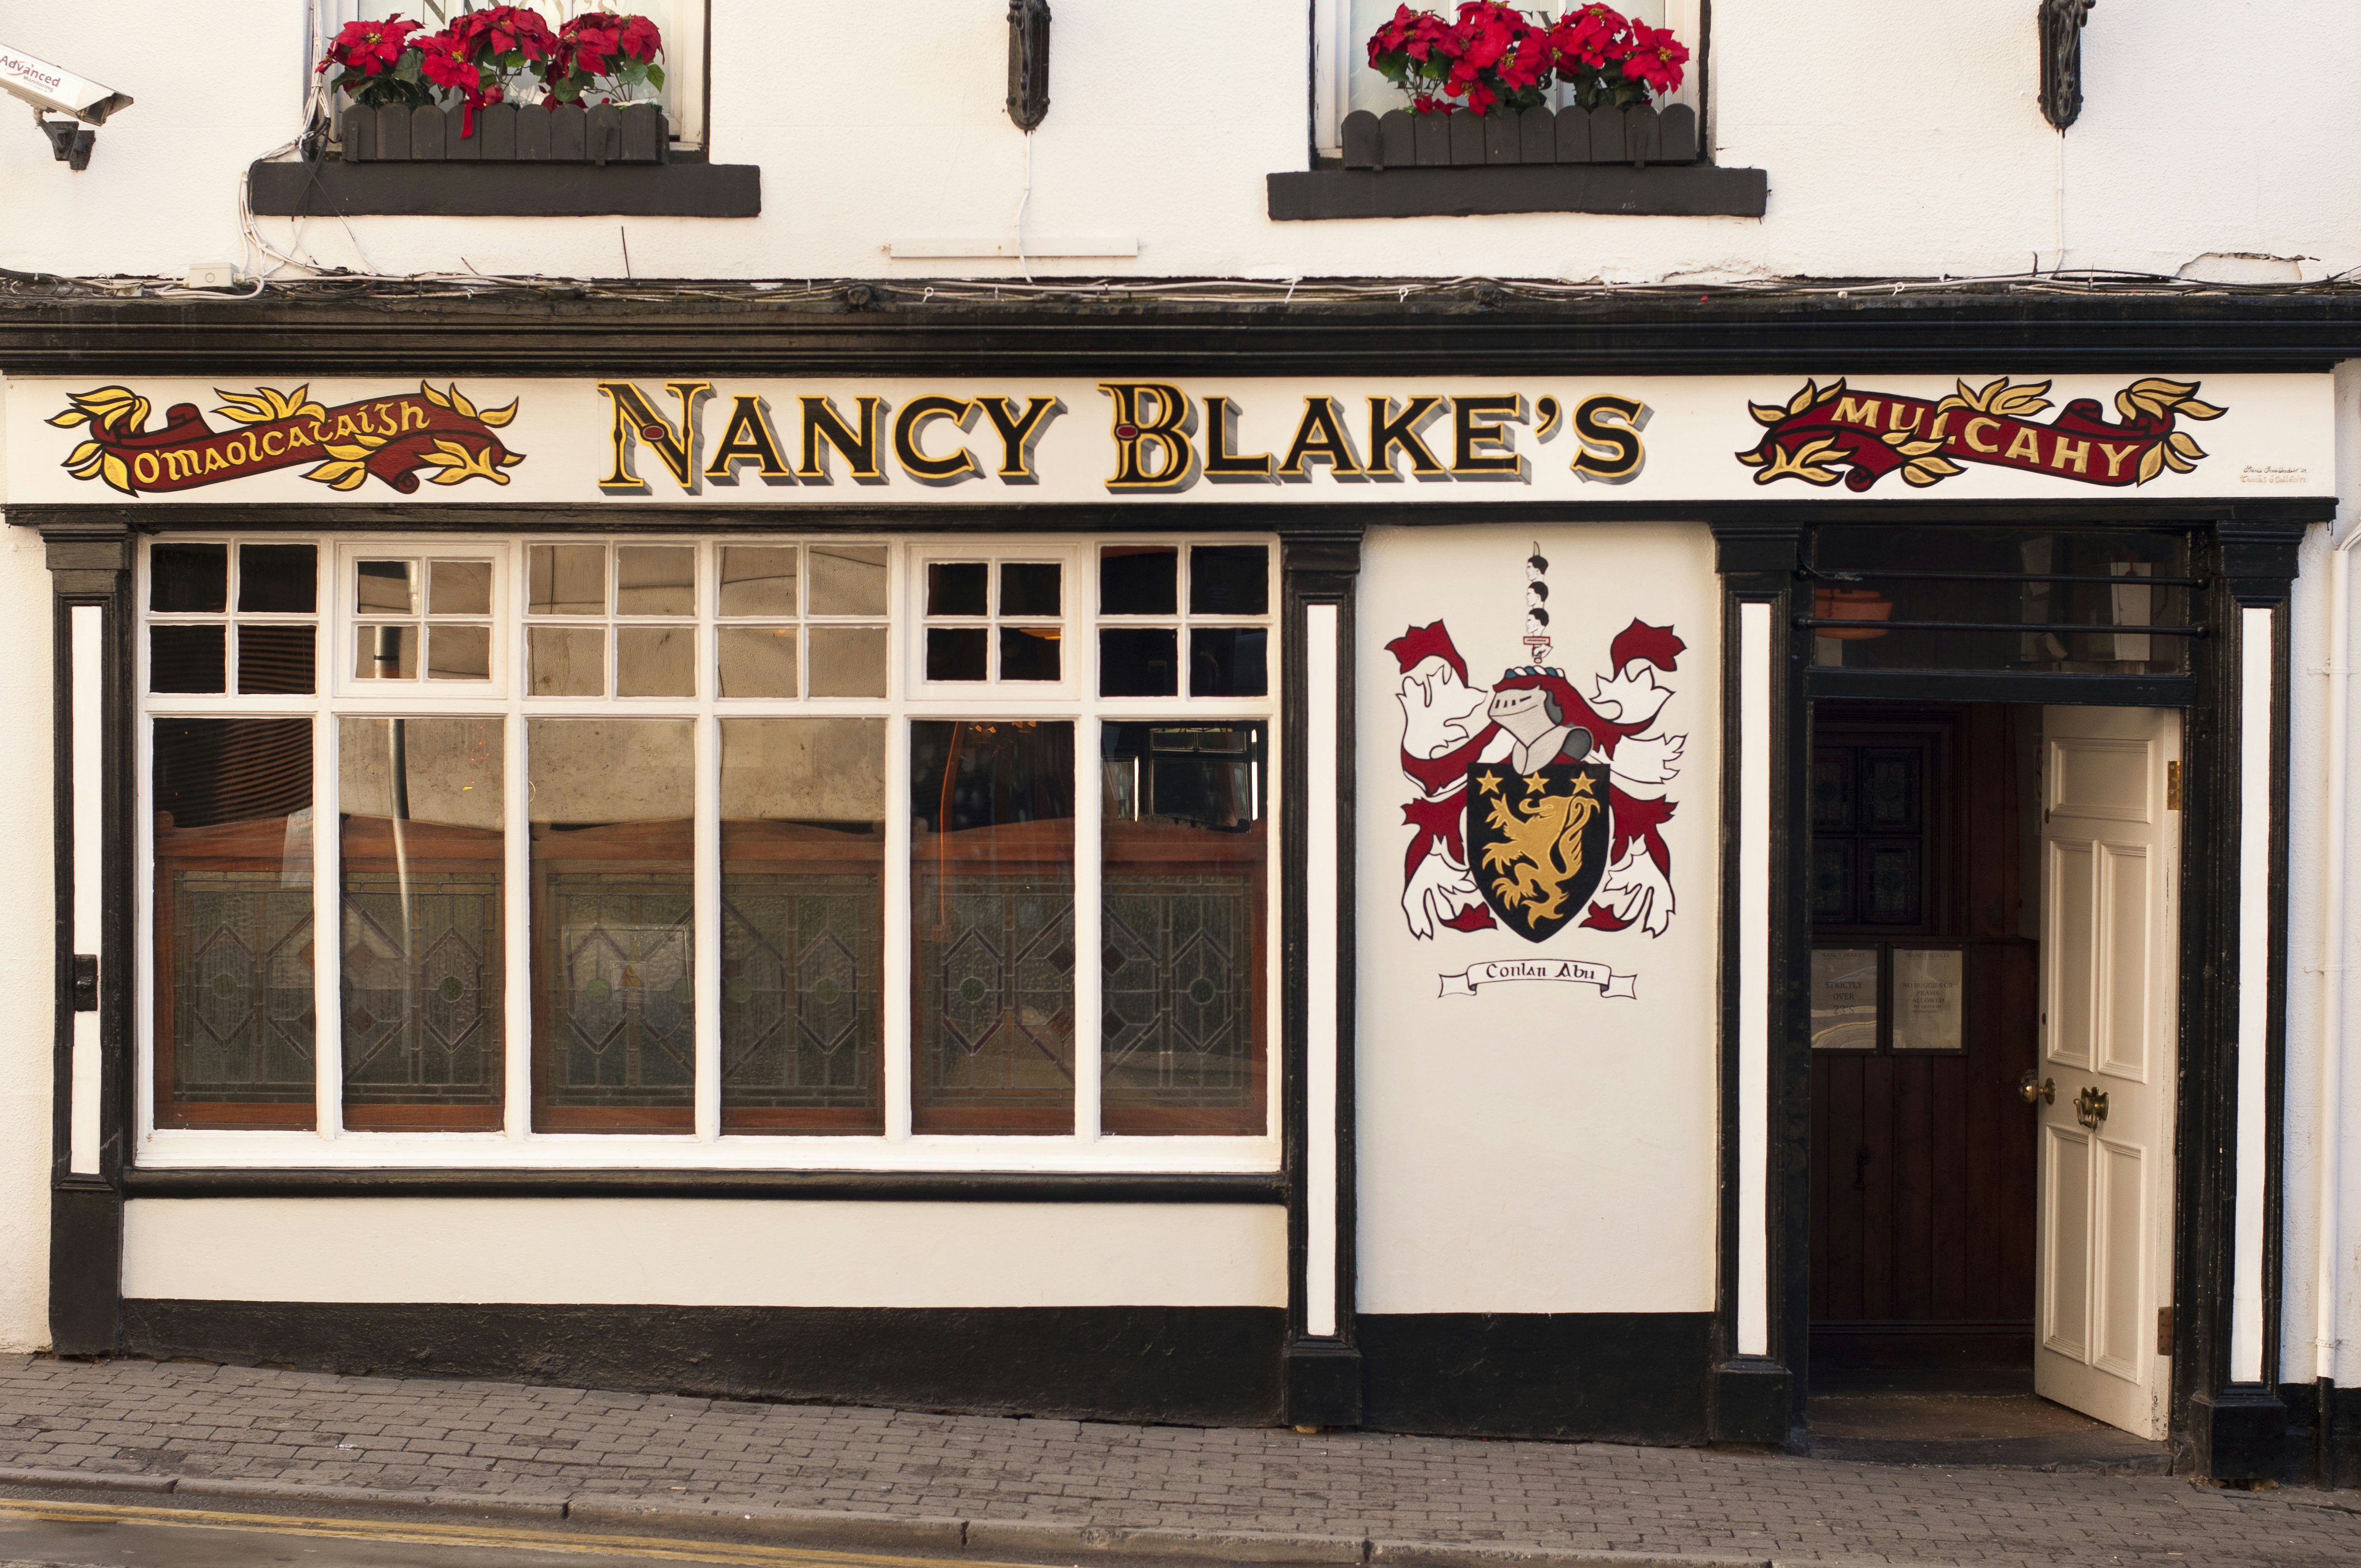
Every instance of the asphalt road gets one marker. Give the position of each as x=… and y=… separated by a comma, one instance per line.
x=58, y=1534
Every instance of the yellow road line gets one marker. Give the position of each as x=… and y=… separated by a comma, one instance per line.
x=419, y=1533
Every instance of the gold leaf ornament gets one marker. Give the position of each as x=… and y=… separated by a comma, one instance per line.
x=498, y=418
x=458, y=463
x=105, y=408
x=265, y=404
x=1809, y=463
x=2151, y=461
x=346, y=475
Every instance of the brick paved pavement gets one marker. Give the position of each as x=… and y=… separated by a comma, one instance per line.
x=507, y=1442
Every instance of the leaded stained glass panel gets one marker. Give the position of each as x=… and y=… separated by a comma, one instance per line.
x=992, y=926
x=234, y=1027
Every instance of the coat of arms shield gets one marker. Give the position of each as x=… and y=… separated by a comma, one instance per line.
x=1537, y=843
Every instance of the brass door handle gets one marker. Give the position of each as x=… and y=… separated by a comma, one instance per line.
x=2091, y=1106
x=2031, y=1089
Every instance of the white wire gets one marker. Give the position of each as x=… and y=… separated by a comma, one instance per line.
x=1023, y=202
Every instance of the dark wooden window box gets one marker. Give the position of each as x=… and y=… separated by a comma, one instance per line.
x=1605, y=160
x=611, y=161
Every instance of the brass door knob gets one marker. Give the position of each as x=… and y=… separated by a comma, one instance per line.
x=2091, y=1106
x=2031, y=1089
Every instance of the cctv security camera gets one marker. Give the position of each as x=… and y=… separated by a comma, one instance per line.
x=51, y=89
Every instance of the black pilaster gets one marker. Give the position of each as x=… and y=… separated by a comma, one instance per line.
x=1321, y=1379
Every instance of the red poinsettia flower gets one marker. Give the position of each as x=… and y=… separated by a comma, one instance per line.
x=1656, y=58
x=641, y=40
x=370, y=49
x=1590, y=39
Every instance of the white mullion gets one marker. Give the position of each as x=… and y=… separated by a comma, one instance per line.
x=327, y=865
x=1090, y=930
x=705, y=950
x=516, y=882
x=144, y=978
x=896, y=1070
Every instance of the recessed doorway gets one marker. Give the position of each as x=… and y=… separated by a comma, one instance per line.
x=1994, y=1030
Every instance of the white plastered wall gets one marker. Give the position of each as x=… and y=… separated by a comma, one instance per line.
x=2313, y=970
x=1537, y=1146
x=28, y=939
x=1898, y=139
x=706, y=1251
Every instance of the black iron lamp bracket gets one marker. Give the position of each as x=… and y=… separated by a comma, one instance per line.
x=2061, y=60
x=1028, y=63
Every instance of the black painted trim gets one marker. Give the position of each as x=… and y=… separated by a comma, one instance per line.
x=1324, y=1373
x=871, y=1185
x=1217, y=1365
x=2002, y=685
x=334, y=188
x=1758, y=1398
x=1317, y=520
x=90, y=564
x=1666, y=190
x=1611, y=1377
x=889, y=326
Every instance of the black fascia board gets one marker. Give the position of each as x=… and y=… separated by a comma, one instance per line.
x=886, y=327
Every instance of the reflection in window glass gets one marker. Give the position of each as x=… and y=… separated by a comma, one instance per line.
x=567, y=661
x=655, y=661
x=1229, y=580
x=188, y=578
x=385, y=653
x=274, y=658
x=459, y=588
x=1139, y=579
x=1185, y=855
x=1844, y=999
x=566, y=579
x=611, y=802
x=803, y=865
x=1028, y=653
x=656, y=579
x=758, y=579
x=233, y=1002
x=1929, y=985
x=991, y=911
x=386, y=587
x=1228, y=661
x=419, y=804
x=185, y=658
x=278, y=579
x=758, y=661
x=458, y=652
x=848, y=579
x=848, y=661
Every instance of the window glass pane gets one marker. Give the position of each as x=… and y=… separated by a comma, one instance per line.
x=656, y=579
x=956, y=652
x=991, y=910
x=234, y=1005
x=386, y=587
x=185, y=658
x=1844, y=999
x=274, y=658
x=1138, y=660
x=458, y=652
x=1031, y=587
x=567, y=661
x=385, y=653
x=1228, y=661
x=956, y=587
x=1139, y=580
x=1929, y=988
x=1028, y=653
x=655, y=661
x=848, y=579
x=611, y=802
x=1229, y=580
x=279, y=579
x=1186, y=853
x=2042, y=600
x=459, y=588
x=848, y=661
x=758, y=579
x=803, y=865
x=566, y=579
x=758, y=661
x=188, y=577
x=419, y=804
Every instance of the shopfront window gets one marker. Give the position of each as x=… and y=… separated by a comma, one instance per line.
x=728, y=841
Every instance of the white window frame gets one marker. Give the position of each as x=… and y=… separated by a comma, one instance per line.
x=517, y=1145
x=1339, y=53
x=684, y=54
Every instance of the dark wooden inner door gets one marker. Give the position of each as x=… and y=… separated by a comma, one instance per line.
x=1925, y=893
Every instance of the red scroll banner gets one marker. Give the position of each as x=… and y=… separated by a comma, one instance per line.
x=1824, y=434
x=394, y=438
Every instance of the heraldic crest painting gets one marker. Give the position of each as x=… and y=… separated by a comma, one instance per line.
x=1535, y=802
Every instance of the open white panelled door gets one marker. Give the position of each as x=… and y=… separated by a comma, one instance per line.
x=2110, y=932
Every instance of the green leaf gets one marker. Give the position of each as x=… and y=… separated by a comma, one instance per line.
x=656, y=77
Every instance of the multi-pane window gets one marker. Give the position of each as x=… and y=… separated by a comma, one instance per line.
x=620, y=844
